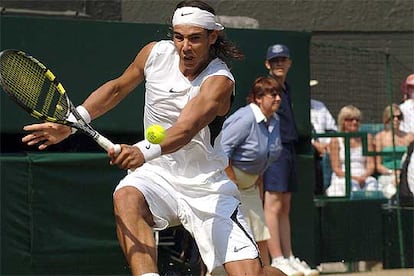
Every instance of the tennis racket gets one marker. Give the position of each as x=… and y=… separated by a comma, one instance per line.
x=35, y=88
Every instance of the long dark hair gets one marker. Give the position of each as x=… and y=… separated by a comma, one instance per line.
x=223, y=48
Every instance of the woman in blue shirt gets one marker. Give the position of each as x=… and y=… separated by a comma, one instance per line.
x=251, y=140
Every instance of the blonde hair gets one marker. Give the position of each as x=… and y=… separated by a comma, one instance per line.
x=348, y=111
x=386, y=115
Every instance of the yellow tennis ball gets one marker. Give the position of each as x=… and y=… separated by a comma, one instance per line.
x=155, y=134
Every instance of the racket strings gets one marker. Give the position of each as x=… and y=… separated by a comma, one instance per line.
x=26, y=81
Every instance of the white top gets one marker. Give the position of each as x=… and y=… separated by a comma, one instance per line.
x=321, y=119
x=167, y=92
x=407, y=109
x=357, y=159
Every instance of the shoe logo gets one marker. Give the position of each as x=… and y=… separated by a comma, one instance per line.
x=240, y=248
x=188, y=13
x=173, y=91
x=148, y=146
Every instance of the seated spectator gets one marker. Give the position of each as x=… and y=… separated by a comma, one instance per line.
x=389, y=165
x=251, y=141
x=362, y=167
x=322, y=122
x=407, y=107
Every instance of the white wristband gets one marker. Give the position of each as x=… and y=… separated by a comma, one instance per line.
x=83, y=113
x=149, y=150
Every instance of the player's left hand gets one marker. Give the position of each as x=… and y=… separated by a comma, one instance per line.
x=45, y=134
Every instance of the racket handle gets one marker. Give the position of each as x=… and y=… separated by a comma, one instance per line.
x=107, y=145
x=117, y=148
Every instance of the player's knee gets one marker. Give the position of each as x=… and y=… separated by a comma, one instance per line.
x=126, y=197
x=129, y=200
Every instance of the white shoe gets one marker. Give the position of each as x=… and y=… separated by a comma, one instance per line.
x=302, y=266
x=285, y=266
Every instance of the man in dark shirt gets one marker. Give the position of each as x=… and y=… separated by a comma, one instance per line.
x=280, y=178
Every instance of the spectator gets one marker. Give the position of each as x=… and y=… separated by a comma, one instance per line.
x=407, y=107
x=280, y=178
x=362, y=167
x=391, y=140
x=322, y=122
x=251, y=140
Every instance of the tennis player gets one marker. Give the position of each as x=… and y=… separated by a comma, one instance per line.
x=181, y=180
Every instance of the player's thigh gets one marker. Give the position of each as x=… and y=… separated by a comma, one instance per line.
x=160, y=198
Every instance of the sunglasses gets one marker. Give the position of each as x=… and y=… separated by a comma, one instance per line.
x=399, y=117
x=352, y=119
x=273, y=94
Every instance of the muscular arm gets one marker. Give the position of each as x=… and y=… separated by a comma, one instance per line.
x=213, y=100
x=111, y=93
x=100, y=101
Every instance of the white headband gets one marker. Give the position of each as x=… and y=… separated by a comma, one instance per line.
x=197, y=17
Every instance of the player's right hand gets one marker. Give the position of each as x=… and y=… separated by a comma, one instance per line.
x=130, y=157
x=45, y=134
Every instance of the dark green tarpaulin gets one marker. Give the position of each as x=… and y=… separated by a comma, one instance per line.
x=57, y=214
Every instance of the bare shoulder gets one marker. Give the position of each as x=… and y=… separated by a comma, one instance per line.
x=219, y=90
x=136, y=68
x=144, y=52
x=220, y=82
x=380, y=137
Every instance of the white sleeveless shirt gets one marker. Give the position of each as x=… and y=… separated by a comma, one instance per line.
x=167, y=92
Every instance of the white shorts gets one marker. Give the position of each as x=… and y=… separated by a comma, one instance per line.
x=210, y=215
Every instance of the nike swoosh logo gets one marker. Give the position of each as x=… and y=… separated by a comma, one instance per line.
x=188, y=13
x=148, y=146
x=173, y=91
x=238, y=249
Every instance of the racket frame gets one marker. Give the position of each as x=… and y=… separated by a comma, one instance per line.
x=79, y=124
